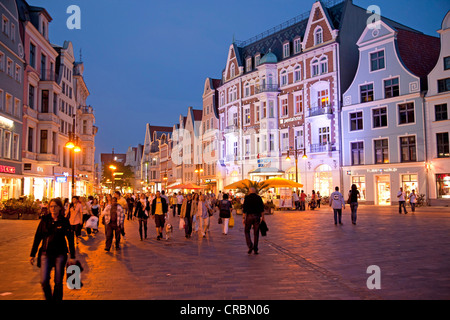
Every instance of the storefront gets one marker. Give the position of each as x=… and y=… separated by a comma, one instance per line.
x=443, y=186
x=323, y=180
x=10, y=181
x=380, y=185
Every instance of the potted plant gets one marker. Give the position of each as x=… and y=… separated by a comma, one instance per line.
x=24, y=209
x=238, y=207
x=269, y=207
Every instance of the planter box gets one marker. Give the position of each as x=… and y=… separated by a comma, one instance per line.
x=29, y=216
x=14, y=216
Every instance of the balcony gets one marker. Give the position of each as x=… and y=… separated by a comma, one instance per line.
x=320, y=110
x=231, y=129
x=320, y=147
x=49, y=75
x=86, y=109
x=267, y=88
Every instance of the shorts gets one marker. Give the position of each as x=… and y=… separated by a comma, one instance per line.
x=159, y=220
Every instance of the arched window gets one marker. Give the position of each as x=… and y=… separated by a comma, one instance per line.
x=318, y=36
x=315, y=67
x=284, y=80
x=297, y=74
x=323, y=65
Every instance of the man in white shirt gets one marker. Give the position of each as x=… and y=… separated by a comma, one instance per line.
x=180, y=199
x=337, y=202
x=401, y=195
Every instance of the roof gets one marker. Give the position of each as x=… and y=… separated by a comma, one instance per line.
x=198, y=114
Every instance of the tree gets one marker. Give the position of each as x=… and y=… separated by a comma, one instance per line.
x=122, y=176
x=260, y=187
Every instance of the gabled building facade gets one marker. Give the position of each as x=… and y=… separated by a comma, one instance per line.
x=384, y=145
x=437, y=122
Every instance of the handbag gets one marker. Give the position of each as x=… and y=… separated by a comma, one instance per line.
x=182, y=223
x=220, y=220
x=231, y=222
x=263, y=228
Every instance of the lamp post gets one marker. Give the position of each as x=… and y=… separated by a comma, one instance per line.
x=73, y=146
x=113, y=169
x=296, y=153
x=198, y=170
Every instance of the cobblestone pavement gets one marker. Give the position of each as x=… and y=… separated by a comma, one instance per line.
x=303, y=257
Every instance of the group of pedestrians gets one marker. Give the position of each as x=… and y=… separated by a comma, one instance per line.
x=337, y=202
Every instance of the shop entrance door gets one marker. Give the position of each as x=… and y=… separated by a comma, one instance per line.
x=383, y=190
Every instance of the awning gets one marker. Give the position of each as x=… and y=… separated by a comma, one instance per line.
x=267, y=172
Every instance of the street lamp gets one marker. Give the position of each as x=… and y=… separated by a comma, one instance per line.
x=296, y=153
x=198, y=171
x=73, y=146
x=113, y=169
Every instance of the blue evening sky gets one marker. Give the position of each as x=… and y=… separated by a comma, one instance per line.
x=146, y=61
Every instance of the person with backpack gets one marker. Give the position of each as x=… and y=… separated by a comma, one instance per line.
x=114, y=218
x=225, y=207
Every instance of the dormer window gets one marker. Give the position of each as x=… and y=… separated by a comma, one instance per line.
x=232, y=71
x=286, y=50
x=297, y=46
x=248, y=64
x=318, y=36
x=257, y=58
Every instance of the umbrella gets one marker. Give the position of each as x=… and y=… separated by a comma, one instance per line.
x=191, y=186
x=238, y=184
x=178, y=186
x=282, y=183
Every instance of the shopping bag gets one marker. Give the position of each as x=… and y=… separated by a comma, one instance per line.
x=92, y=222
x=231, y=222
x=182, y=223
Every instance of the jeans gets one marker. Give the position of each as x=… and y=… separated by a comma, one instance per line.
x=354, y=207
x=47, y=264
x=187, y=226
x=252, y=220
x=337, y=214
x=400, y=205
x=143, y=223
x=110, y=232
x=413, y=206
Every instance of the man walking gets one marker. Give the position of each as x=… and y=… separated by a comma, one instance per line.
x=253, y=213
x=159, y=210
x=302, y=201
x=337, y=202
x=114, y=219
x=401, y=195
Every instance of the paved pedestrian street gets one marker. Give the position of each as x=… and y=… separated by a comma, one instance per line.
x=303, y=257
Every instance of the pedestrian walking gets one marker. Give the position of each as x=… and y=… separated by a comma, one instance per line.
x=180, y=200
x=296, y=200
x=87, y=213
x=225, y=213
x=75, y=216
x=353, y=197
x=123, y=203
x=302, y=201
x=413, y=200
x=253, y=213
x=203, y=212
x=114, y=219
x=337, y=202
x=54, y=232
x=195, y=218
x=319, y=198
x=313, y=201
x=142, y=213
x=401, y=195
x=187, y=212
x=159, y=210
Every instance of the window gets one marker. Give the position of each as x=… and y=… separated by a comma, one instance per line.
x=323, y=65
x=235, y=119
x=318, y=36
x=440, y=112
x=13, y=32
x=257, y=58
x=322, y=98
x=286, y=50
x=298, y=139
x=18, y=74
x=271, y=109
x=444, y=85
x=2, y=61
x=391, y=88
x=17, y=107
x=408, y=149
x=247, y=147
x=235, y=148
x=284, y=141
x=7, y=145
x=406, y=113
x=284, y=107
x=377, y=61
x=297, y=46
x=9, y=67
x=356, y=121
x=298, y=104
x=264, y=110
x=271, y=142
x=381, y=151
x=43, y=67
x=284, y=80
x=9, y=103
x=32, y=55
x=324, y=135
x=247, y=90
x=315, y=67
x=443, y=149
x=247, y=116
x=85, y=126
x=15, y=147
x=297, y=74
x=232, y=71
x=379, y=117
x=443, y=186
x=357, y=153
x=5, y=25
x=30, y=139
x=248, y=63
x=360, y=182
x=44, y=139
x=366, y=92
x=446, y=63
x=44, y=101
x=257, y=113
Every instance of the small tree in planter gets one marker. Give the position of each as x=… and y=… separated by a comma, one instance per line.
x=24, y=209
x=269, y=207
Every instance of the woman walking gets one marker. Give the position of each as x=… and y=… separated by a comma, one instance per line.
x=353, y=196
x=75, y=216
x=225, y=212
x=187, y=213
x=142, y=214
x=53, y=230
x=313, y=201
x=87, y=213
x=203, y=210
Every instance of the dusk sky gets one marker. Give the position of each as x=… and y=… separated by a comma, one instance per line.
x=147, y=61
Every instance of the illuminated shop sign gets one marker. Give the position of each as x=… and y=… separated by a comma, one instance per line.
x=6, y=169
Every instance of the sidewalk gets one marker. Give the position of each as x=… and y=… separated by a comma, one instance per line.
x=305, y=256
